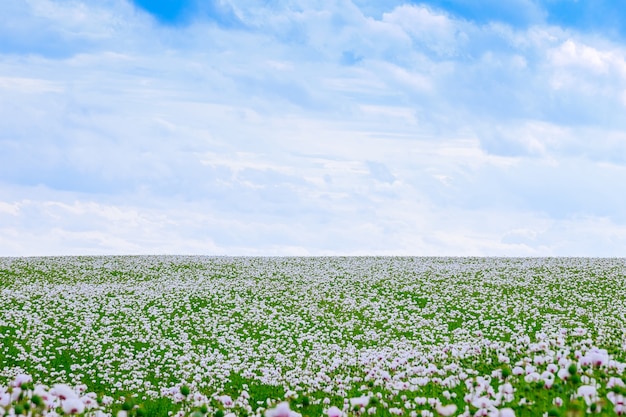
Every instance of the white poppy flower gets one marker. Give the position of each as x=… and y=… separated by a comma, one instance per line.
x=73, y=406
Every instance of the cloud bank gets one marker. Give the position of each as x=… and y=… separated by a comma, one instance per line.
x=306, y=128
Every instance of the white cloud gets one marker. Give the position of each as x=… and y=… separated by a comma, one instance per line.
x=29, y=85
x=576, y=54
x=316, y=130
x=431, y=30
x=12, y=209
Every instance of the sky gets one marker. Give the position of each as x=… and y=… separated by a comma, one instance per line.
x=312, y=127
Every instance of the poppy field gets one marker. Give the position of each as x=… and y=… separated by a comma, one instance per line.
x=320, y=336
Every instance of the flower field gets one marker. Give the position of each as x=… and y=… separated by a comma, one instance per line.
x=279, y=337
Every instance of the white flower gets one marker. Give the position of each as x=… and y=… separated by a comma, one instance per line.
x=506, y=412
x=446, y=410
x=5, y=399
x=64, y=392
x=226, y=400
x=106, y=400
x=73, y=406
x=281, y=410
x=614, y=382
x=360, y=401
x=506, y=388
x=17, y=391
x=563, y=374
x=588, y=393
x=532, y=377
x=517, y=371
x=22, y=379
x=89, y=401
x=334, y=411
x=598, y=357
x=481, y=402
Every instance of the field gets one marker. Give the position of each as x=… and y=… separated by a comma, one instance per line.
x=312, y=336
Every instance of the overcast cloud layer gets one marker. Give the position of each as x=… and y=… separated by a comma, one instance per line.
x=305, y=127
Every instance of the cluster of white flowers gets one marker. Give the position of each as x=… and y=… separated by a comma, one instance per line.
x=355, y=336
x=22, y=397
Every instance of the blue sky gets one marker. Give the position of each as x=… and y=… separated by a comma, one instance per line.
x=604, y=16
x=313, y=128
